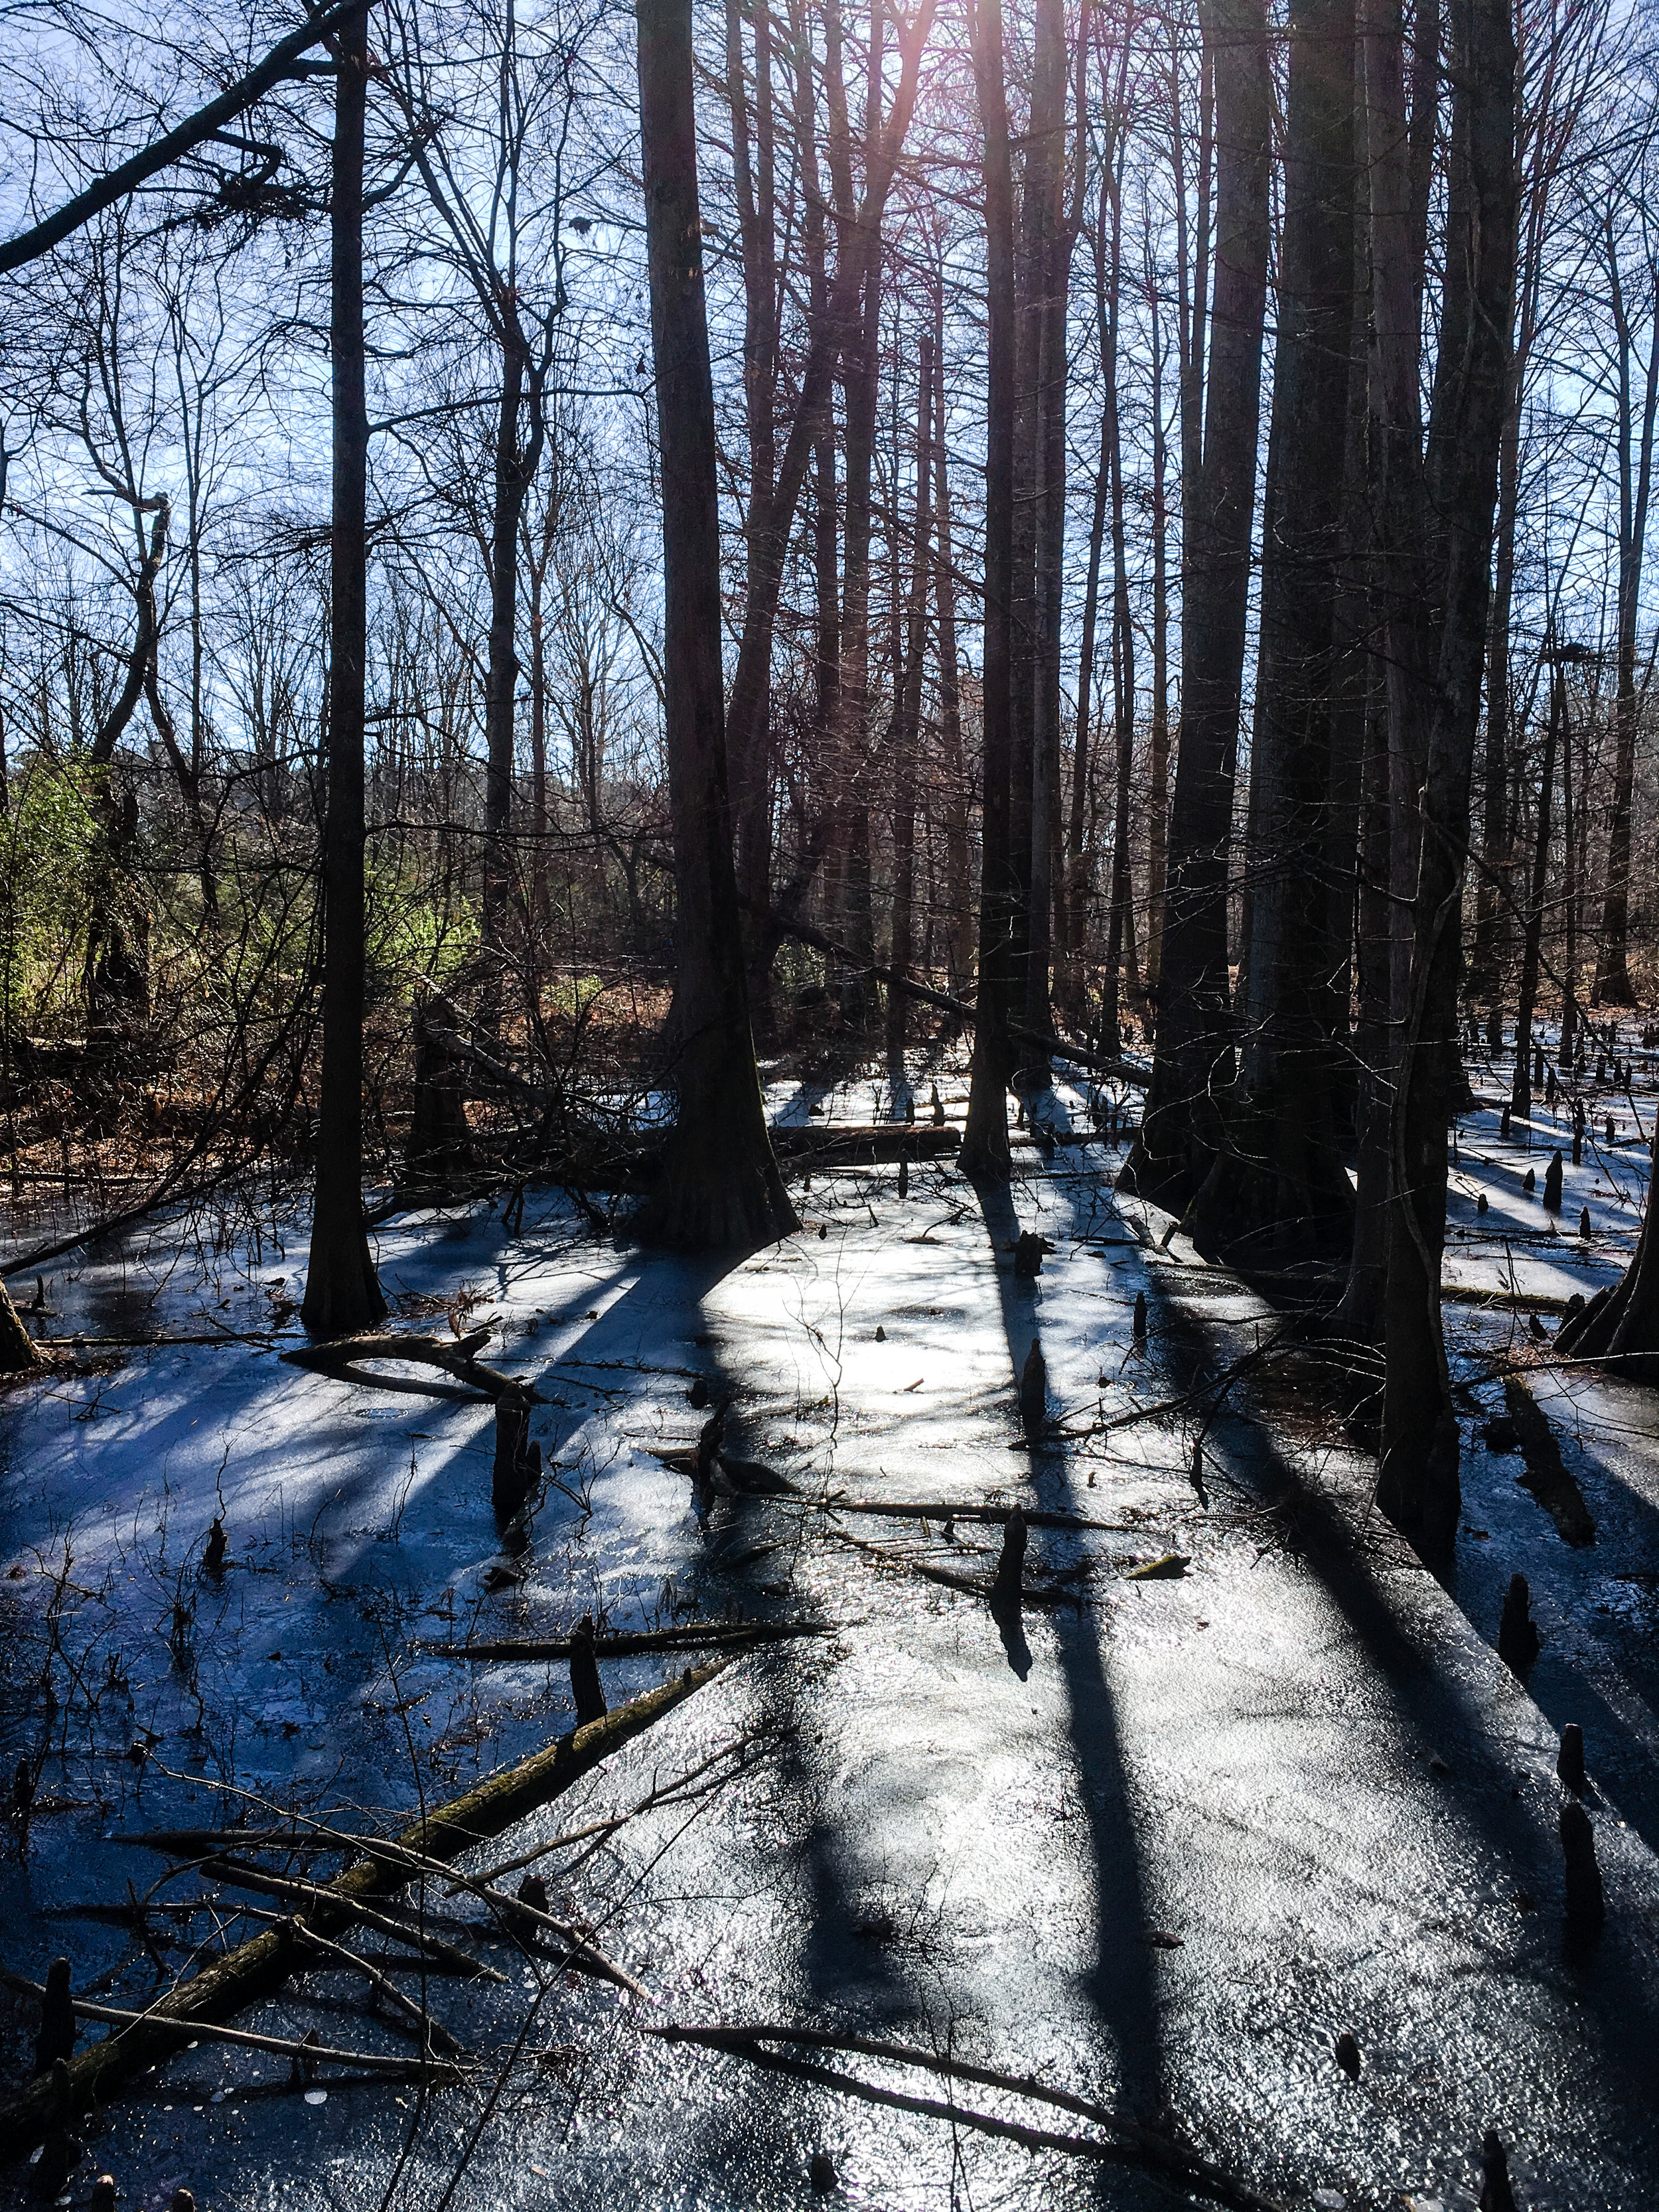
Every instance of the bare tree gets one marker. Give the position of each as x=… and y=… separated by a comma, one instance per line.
x=721, y=1186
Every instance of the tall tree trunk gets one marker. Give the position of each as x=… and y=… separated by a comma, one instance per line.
x=1040, y=391
x=1532, y=942
x=958, y=864
x=1077, y=866
x=721, y=1186
x=1181, y=1132
x=754, y=179
x=343, y=1292
x=985, y=1140
x=514, y=470
x=1158, y=795
x=851, y=746
x=117, y=978
x=1109, y=264
x=837, y=326
x=1418, y=1481
x=1286, y=1190
x=907, y=718
x=1613, y=985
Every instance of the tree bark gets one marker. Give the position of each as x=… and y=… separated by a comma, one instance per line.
x=515, y=471
x=1532, y=944
x=959, y=918
x=1158, y=796
x=906, y=720
x=721, y=1186
x=1612, y=986
x=343, y=1292
x=1181, y=1134
x=1287, y=1188
x=985, y=1140
x=1417, y=1480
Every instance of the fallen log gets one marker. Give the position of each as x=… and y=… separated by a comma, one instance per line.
x=1039, y=1594
x=342, y=1358
x=1056, y=1047
x=860, y=1144
x=630, y=1646
x=257, y=1969
x=1134, y=2144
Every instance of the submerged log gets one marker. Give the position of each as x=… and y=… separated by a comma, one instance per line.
x=257, y=1969
x=721, y=1638
x=1517, y=1631
x=861, y=1144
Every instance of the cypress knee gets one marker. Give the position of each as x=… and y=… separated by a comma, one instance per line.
x=1570, y=1764
x=1517, y=1631
x=1011, y=1566
x=1585, y=1906
x=1141, y=1317
x=57, y=2038
x=1033, y=1389
x=1553, y=1183
x=585, y=1673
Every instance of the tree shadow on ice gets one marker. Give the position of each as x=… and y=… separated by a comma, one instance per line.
x=1122, y=1986
x=1439, y=1711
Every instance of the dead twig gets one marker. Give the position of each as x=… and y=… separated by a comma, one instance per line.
x=191, y=2031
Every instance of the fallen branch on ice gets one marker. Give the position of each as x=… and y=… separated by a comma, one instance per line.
x=1136, y=2145
x=257, y=1969
x=738, y=1639
x=190, y=2031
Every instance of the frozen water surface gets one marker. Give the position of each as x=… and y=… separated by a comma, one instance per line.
x=1160, y=1846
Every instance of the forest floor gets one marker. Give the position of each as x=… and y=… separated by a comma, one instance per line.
x=1159, y=1844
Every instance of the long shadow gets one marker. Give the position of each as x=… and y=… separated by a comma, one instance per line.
x=1610, y=1983
x=1122, y=1987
